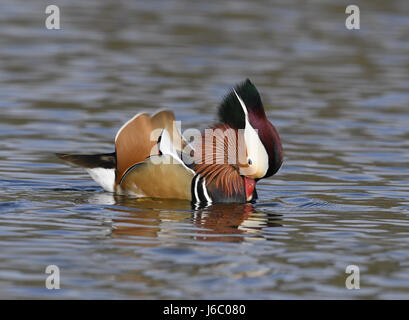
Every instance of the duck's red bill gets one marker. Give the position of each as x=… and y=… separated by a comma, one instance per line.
x=249, y=185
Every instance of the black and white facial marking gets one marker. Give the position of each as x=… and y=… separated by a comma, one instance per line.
x=231, y=112
x=257, y=157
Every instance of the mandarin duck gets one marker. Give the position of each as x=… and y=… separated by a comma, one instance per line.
x=220, y=165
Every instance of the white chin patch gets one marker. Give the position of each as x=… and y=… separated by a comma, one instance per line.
x=104, y=177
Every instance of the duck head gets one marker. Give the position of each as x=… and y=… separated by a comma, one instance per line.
x=243, y=109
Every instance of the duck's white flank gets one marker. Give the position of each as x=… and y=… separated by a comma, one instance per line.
x=104, y=177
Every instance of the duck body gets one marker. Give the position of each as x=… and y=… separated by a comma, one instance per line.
x=220, y=165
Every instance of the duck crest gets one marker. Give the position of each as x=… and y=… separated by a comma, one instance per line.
x=230, y=110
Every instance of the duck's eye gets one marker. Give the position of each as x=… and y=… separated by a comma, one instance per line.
x=249, y=162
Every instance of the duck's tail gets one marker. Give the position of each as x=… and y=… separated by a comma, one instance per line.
x=101, y=167
x=89, y=161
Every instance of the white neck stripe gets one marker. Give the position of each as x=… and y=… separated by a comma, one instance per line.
x=209, y=200
x=243, y=106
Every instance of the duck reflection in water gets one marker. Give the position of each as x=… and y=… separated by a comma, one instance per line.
x=153, y=218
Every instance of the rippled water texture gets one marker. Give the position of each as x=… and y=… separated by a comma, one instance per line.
x=339, y=99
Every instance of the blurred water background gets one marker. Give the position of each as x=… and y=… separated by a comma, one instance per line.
x=338, y=98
